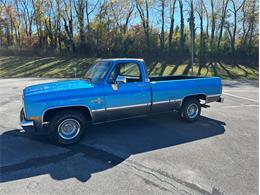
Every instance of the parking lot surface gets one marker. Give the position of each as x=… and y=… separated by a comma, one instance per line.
x=153, y=155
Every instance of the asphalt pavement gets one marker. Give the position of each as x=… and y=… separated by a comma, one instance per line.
x=154, y=155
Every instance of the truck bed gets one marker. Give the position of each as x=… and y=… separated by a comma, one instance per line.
x=170, y=91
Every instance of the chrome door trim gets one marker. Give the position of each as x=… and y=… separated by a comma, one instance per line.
x=161, y=102
x=129, y=106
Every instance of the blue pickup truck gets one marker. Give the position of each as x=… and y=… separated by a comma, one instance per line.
x=112, y=89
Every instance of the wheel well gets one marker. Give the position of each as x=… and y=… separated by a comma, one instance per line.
x=82, y=109
x=197, y=96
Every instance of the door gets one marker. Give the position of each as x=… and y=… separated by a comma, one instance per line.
x=130, y=98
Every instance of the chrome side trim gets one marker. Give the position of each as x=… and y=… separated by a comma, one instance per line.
x=133, y=117
x=99, y=110
x=25, y=123
x=168, y=101
x=176, y=100
x=130, y=106
x=162, y=102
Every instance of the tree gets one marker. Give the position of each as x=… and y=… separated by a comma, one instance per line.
x=227, y=29
x=222, y=21
x=37, y=5
x=192, y=33
x=143, y=10
x=182, y=38
x=122, y=12
x=67, y=16
x=79, y=7
x=162, y=39
x=200, y=10
x=172, y=12
x=232, y=33
x=89, y=10
x=213, y=26
x=27, y=16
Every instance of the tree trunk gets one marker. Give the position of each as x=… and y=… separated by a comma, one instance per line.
x=162, y=27
x=182, y=38
x=222, y=22
x=171, y=24
x=213, y=26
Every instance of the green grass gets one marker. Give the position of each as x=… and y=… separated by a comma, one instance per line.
x=62, y=67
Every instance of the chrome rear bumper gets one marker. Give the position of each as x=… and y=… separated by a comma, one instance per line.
x=221, y=99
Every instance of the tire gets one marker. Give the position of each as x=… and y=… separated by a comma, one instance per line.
x=191, y=110
x=67, y=127
x=22, y=117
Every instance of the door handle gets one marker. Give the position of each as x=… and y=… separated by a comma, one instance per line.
x=140, y=85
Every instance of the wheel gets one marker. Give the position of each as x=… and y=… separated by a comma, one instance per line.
x=191, y=109
x=67, y=127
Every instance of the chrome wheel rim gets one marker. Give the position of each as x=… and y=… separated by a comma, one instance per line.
x=192, y=110
x=69, y=129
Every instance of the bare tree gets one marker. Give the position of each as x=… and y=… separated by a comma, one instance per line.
x=232, y=33
x=28, y=17
x=79, y=6
x=192, y=32
x=162, y=39
x=39, y=20
x=222, y=20
x=143, y=10
x=89, y=10
x=252, y=21
x=201, y=11
x=122, y=12
x=67, y=16
x=182, y=38
x=172, y=12
x=213, y=25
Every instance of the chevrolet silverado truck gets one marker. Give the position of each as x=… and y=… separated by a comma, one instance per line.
x=112, y=89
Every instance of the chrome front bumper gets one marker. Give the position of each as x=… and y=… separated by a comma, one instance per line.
x=221, y=99
x=28, y=125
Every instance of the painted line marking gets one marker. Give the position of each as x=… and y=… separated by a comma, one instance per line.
x=236, y=96
x=241, y=106
x=234, y=90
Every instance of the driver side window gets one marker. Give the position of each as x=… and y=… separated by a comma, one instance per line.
x=130, y=70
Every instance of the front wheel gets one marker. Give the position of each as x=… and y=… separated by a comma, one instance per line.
x=67, y=127
x=191, y=109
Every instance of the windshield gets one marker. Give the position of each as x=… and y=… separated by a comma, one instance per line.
x=97, y=71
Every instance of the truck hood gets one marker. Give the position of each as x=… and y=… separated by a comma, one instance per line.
x=59, y=86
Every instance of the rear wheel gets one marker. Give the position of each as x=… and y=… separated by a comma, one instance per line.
x=191, y=110
x=67, y=127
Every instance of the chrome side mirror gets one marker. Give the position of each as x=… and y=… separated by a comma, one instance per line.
x=121, y=79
